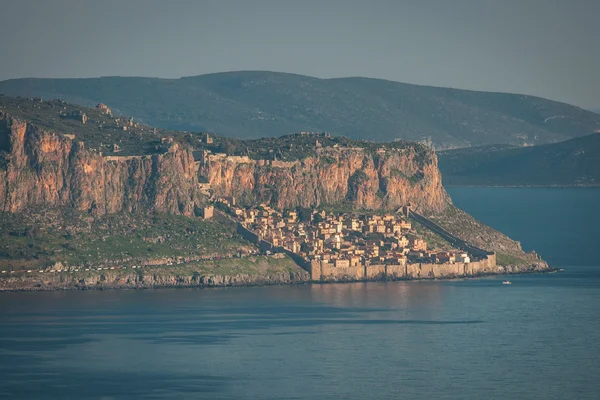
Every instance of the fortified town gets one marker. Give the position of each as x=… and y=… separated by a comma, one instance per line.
x=351, y=246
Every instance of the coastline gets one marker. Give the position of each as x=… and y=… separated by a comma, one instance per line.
x=118, y=280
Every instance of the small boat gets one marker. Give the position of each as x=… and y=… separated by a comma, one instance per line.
x=506, y=282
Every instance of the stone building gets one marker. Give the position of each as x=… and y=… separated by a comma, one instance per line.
x=207, y=212
x=78, y=116
x=104, y=108
x=418, y=244
x=406, y=210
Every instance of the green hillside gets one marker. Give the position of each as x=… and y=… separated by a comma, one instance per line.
x=259, y=104
x=41, y=237
x=575, y=162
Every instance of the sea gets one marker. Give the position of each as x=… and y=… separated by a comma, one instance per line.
x=538, y=338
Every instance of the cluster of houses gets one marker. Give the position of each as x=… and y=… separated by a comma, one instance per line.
x=342, y=240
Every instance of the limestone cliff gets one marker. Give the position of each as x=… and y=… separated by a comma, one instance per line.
x=40, y=167
x=386, y=178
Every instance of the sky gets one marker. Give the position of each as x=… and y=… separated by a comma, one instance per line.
x=547, y=48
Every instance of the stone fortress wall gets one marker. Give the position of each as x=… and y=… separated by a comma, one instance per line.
x=328, y=272
x=207, y=157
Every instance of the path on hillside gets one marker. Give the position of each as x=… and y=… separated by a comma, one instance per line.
x=454, y=240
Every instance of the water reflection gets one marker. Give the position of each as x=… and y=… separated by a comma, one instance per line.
x=379, y=294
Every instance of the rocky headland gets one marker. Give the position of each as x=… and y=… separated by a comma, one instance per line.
x=89, y=190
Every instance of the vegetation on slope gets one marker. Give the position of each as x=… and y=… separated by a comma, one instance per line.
x=298, y=146
x=40, y=238
x=257, y=104
x=102, y=132
x=461, y=224
x=258, y=266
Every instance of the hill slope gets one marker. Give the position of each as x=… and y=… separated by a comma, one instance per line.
x=258, y=104
x=570, y=163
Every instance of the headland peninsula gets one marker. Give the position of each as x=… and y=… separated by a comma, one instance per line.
x=90, y=200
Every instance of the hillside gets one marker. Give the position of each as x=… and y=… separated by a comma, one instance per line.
x=257, y=104
x=575, y=162
x=60, y=248
x=40, y=236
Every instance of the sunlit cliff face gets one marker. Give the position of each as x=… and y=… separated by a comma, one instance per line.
x=365, y=180
x=43, y=168
x=48, y=169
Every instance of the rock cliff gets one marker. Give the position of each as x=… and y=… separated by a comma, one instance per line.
x=359, y=177
x=40, y=167
x=149, y=279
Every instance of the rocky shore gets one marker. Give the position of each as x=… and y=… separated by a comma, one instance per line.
x=163, y=277
x=109, y=280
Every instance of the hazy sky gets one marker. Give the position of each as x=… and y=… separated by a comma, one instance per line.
x=548, y=48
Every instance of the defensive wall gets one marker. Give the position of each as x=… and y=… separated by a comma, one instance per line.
x=126, y=158
x=320, y=271
x=203, y=157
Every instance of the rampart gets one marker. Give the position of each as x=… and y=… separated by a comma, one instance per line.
x=125, y=158
x=205, y=157
x=325, y=272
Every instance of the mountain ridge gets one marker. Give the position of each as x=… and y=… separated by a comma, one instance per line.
x=574, y=162
x=252, y=104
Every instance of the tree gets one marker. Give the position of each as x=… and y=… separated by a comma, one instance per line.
x=227, y=146
x=304, y=214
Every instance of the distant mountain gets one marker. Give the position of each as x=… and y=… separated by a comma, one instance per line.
x=258, y=104
x=575, y=162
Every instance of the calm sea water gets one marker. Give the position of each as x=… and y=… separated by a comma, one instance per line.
x=538, y=338
x=560, y=224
